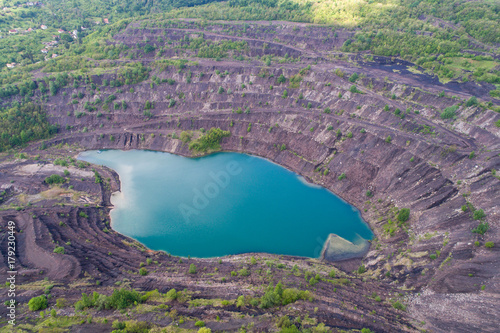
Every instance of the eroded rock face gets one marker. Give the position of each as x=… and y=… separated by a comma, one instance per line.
x=388, y=162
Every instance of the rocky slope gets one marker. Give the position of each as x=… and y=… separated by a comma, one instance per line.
x=411, y=158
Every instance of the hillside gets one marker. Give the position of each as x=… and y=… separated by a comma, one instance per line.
x=385, y=104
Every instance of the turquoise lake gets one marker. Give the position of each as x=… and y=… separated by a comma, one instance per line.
x=221, y=204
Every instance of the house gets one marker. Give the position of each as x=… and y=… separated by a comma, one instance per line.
x=83, y=28
x=45, y=51
x=12, y=65
x=12, y=31
x=75, y=33
x=106, y=21
x=30, y=4
x=60, y=31
x=43, y=27
x=54, y=55
x=29, y=30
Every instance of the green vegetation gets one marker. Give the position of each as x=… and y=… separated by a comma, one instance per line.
x=209, y=141
x=481, y=228
x=478, y=214
x=59, y=250
x=277, y=295
x=21, y=124
x=404, y=215
x=120, y=299
x=341, y=177
x=54, y=179
x=172, y=294
x=489, y=245
x=399, y=306
x=449, y=112
x=192, y=269
x=38, y=303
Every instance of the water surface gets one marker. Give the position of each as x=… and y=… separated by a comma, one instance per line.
x=225, y=203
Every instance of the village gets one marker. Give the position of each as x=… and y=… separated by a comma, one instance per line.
x=47, y=45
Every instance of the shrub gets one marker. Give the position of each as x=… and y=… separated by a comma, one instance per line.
x=118, y=325
x=342, y=176
x=220, y=91
x=172, y=294
x=82, y=214
x=59, y=250
x=204, y=330
x=349, y=135
x=489, y=245
x=54, y=179
x=433, y=256
x=399, y=306
x=353, y=77
x=38, y=303
x=449, y=112
x=123, y=298
x=404, y=215
x=200, y=323
x=354, y=89
x=192, y=269
x=472, y=101
x=210, y=140
x=388, y=139
x=481, y=228
x=185, y=136
x=143, y=271
x=361, y=269
x=243, y=272
x=472, y=155
x=478, y=214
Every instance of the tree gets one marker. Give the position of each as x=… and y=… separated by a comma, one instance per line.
x=192, y=269
x=281, y=79
x=388, y=139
